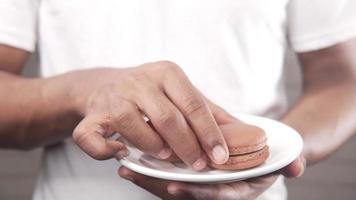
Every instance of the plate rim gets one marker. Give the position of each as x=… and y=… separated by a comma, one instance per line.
x=204, y=178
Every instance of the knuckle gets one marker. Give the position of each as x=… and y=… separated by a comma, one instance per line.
x=169, y=66
x=209, y=130
x=146, y=143
x=210, y=134
x=82, y=140
x=80, y=135
x=125, y=119
x=166, y=69
x=190, y=152
x=99, y=154
x=167, y=63
x=138, y=86
x=193, y=105
x=167, y=119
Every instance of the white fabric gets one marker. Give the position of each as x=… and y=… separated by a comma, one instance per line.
x=320, y=23
x=18, y=23
x=232, y=50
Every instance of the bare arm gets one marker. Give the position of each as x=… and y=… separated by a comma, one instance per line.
x=34, y=112
x=95, y=103
x=324, y=115
x=326, y=112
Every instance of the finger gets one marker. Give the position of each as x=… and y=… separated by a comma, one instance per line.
x=262, y=182
x=263, y=178
x=252, y=188
x=129, y=122
x=90, y=135
x=199, y=191
x=248, y=189
x=196, y=111
x=172, y=127
x=220, y=115
x=122, y=153
x=294, y=169
x=155, y=186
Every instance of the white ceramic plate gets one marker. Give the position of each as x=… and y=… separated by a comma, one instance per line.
x=284, y=142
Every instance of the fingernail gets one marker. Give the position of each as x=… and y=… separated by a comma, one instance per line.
x=199, y=164
x=165, y=153
x=122, y=153
x=219, y=154
x=172, y=190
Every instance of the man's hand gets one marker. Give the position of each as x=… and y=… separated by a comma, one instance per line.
x=181, y=118
x=241, y=190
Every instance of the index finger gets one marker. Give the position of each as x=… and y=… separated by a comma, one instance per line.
x=197, y=113
x=155, y=186
x=89, y=135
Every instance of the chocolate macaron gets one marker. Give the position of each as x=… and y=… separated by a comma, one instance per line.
x=247, y=146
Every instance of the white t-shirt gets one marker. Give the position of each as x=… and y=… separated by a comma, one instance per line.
x=232, y=50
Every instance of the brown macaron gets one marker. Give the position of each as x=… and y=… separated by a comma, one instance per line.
x=246, y=144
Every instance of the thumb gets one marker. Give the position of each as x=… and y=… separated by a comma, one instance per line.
x=295, y=169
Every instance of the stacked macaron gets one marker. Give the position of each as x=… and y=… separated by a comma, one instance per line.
x=247, y=146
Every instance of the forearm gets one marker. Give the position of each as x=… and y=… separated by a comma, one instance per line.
x=325, y=117
x=35, y=112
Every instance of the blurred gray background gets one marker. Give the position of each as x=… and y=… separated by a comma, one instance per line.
x=335, y=178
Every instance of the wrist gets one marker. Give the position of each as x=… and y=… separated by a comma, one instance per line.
x=61, y=93
x=82, y=84
x=76, y=94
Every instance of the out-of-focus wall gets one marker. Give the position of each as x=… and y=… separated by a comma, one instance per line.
x=332, y=179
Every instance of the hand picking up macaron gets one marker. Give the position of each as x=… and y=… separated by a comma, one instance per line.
x=247, y=146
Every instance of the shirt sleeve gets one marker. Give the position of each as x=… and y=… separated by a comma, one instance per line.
x=18, y=23
x=317, y=24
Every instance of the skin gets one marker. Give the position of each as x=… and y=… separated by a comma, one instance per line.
x=324, y=116
x=97, y=102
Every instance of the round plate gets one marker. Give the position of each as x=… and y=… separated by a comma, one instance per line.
x=285, y=145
